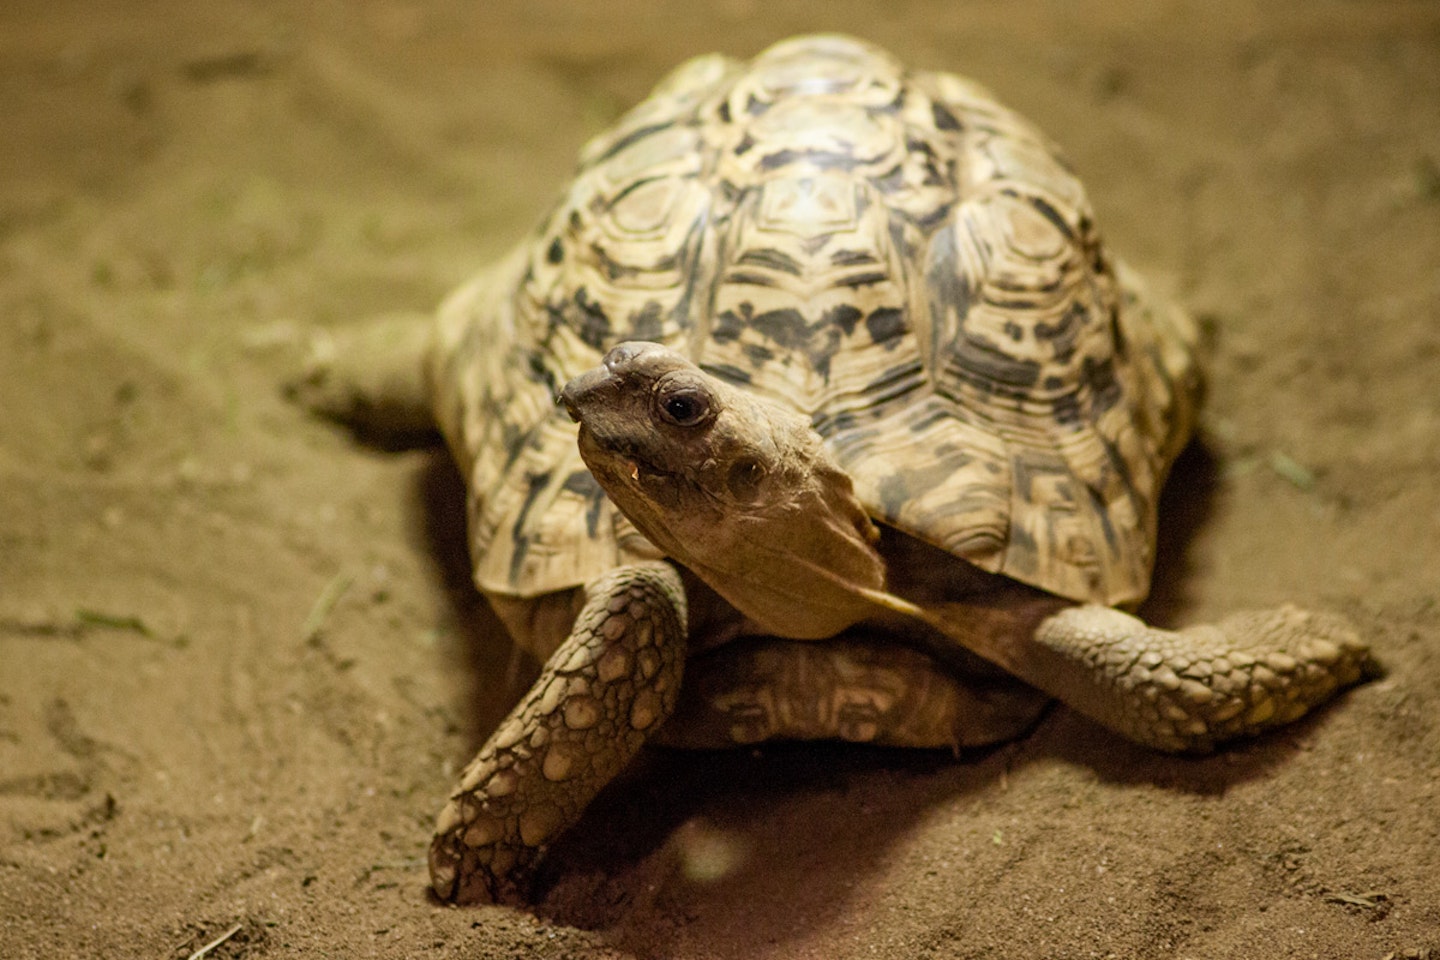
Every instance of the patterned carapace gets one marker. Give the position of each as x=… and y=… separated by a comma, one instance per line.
x=893, y=253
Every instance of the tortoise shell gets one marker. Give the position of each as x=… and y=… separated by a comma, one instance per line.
x=891, y=252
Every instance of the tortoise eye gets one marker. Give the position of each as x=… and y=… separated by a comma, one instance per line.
x=685, y=409
x=683, y=404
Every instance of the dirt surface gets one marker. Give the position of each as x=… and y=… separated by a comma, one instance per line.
x=239, y=658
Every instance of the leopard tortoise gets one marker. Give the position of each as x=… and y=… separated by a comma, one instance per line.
x=871, y=434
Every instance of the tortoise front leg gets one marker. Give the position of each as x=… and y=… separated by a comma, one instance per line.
x=612, y=682
x=1190, y=689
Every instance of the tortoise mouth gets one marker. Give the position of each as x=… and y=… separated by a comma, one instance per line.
x=617, y=462
x=609, y=441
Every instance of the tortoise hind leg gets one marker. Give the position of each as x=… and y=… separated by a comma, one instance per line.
x=612, y=682
x=847, y=689
x=1190, y=689
x=370, y=376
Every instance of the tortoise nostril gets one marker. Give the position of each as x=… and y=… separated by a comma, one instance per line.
x=620, y=355
x=625, y=354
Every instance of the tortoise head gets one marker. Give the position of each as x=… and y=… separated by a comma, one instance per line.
x=738, y=488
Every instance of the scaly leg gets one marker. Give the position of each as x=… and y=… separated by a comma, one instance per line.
x=601, y=694
x=1190, y=689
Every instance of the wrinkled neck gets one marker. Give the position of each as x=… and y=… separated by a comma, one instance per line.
x=800, y=562
x=807, y=573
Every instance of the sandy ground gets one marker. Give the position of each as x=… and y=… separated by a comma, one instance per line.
x=239, y=657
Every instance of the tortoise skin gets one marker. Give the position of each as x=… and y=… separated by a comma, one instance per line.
x=893, y=253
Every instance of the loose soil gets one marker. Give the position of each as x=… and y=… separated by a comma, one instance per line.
x=240, y=660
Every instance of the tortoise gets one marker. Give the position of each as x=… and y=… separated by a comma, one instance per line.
x=871, y=432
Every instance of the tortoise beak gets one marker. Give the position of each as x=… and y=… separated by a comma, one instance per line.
x=583, y=392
